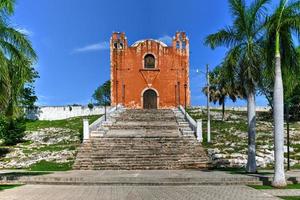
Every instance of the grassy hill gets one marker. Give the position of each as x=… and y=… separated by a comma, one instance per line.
x=229, y=138
x=48, y=145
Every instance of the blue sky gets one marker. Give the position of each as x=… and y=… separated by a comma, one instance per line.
x=71, y=38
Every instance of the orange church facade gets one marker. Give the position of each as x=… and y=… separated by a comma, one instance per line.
x=149, y=74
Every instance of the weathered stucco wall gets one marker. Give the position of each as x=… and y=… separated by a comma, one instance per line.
x=169, y=78
x=63, y=112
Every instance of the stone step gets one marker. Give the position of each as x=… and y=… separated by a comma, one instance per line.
x=173, y=147
x=169, y=164
x=144, y=167
x=140, y=177
x=141, y=127
x=189, y=131
x=97, y=133
x=143, y=139
x=157, y=146
x=133, y=153
x=116, y=152
x=137, y=140
x=147, y=166
x=141, y=158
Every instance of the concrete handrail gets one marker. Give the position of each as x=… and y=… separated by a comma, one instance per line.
x=190, y=120
x=98, y=122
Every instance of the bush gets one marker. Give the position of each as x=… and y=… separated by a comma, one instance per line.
x=12, y=131
x=90, y=106
x=80, y=130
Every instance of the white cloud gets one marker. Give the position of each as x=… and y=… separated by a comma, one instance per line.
x=92, y=47
x=166, y=39
x=25, y=31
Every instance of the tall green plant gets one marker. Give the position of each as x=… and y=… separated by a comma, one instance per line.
x=244, y=58
x=282, y=56
x=7, y=6
x=102, y=94
x=16, y=59
x=220, y=89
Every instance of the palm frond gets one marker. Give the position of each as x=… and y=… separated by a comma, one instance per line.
x=18, y=40
x=7, y=6
x=225, y=37
x=258, y=8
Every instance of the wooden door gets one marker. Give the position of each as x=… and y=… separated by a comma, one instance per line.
x=150, y=99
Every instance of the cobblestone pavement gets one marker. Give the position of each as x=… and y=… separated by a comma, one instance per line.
x=285, y=192
x=50, y=192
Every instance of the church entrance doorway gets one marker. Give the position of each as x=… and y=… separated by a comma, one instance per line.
x=150, y=99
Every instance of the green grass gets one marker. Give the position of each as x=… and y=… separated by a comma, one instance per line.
x=226, y=135
x=51, y=166
x=290, y=198
x=72, y=123
x=269, y=187
x=296, y=166
x=5, y=187
x=295, y=125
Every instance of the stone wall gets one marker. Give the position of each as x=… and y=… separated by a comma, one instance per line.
x=236, y=108
x=63, y=112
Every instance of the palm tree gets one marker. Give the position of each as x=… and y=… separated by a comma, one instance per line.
x=220, y=89
x=7, y=6
x=281, y=25
x=244, y=58
x=16, y=58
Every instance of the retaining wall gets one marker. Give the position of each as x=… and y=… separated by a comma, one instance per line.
x=63, y=112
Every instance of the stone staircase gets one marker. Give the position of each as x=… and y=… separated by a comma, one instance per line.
x=142, y=139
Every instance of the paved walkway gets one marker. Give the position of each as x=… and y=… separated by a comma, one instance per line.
x=144, y=184
x=46, y=192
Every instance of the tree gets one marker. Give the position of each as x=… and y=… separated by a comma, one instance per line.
x=16, y=76
x=281, y=25
x=244, y=58
x=28, y=97
x=220, y=89
x=102, y=94
x=20, y=73
x=16, y=59
x=7, y=7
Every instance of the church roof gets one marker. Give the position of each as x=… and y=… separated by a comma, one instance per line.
x=141, y=41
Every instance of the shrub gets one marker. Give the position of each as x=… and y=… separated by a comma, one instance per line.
x=80, y=130
x=12, y=131
x=90, y=106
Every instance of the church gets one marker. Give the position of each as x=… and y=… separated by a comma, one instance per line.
x=149, y=74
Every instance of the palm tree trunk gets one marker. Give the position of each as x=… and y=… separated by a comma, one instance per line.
x=279, y=177
x=251, y=163
x=223, y=110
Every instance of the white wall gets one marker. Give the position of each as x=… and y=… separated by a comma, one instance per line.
x=63, y=112
x=237, y=108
